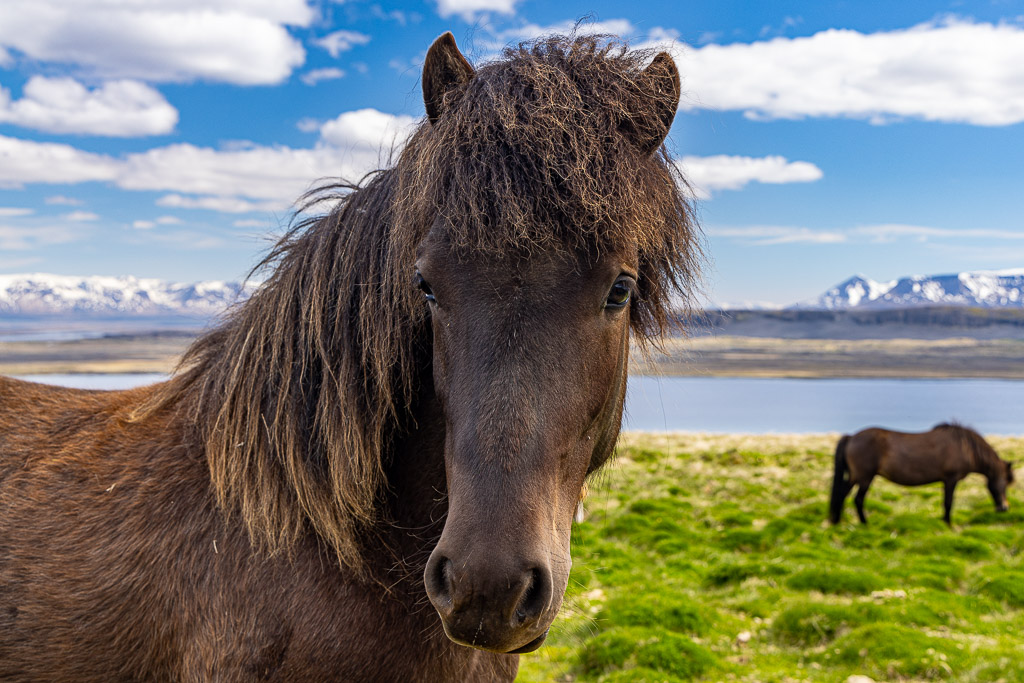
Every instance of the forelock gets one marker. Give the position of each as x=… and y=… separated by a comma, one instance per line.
x=531, y=154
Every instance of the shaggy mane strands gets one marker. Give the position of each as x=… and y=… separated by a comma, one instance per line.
x=301, y=389
x=534, y=153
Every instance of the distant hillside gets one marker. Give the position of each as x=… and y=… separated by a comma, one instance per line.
x=985, y=289
x=912, y=322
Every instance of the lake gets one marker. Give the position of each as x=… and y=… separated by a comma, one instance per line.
x=98, y=381
x=782, y=405
x=771, y=405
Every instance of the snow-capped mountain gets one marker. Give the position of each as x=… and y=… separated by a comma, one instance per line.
x=987, y=289
x=41, y=294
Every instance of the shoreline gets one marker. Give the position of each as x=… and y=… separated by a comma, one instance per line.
x=647, y=370
x=707, y=356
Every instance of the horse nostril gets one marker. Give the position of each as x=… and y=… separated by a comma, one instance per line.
x=440, y=580
x=536, y=594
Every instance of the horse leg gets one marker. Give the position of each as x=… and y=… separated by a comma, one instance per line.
x=841, y=483
x=843, y=490
x=950, y=486
x=862, y=491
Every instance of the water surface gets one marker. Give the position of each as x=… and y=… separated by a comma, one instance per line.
x=771, y=405
x=782, y=405
x=99, y=381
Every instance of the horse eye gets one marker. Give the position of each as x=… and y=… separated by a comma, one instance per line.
x=620, y=293
x=423, y=286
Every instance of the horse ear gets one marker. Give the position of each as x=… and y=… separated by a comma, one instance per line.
x=660, y=82
x=444, y=69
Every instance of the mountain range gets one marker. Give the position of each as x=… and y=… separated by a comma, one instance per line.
x=42, y=294
x=983, y=289
x=126, y=297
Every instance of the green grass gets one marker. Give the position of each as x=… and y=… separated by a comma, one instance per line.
x=709, y=559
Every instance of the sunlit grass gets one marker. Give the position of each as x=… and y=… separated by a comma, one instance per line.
x=708, y=558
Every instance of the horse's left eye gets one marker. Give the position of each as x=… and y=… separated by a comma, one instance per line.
x=620, y=293
x=423, y=286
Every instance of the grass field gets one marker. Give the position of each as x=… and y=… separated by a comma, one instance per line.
x=708, y=558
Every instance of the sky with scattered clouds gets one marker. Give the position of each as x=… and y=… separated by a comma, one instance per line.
x=169, y=138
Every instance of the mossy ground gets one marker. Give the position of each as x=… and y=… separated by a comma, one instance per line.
x=691, y=541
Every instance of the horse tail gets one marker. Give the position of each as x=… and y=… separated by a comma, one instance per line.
x=840, y=481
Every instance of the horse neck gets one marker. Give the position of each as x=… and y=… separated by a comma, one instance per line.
x=985, y=461
x=988, y=464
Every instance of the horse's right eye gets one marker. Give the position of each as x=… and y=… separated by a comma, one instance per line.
x=423, y=286
x=620, y=293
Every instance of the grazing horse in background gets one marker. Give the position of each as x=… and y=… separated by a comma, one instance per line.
x=368, y=471
x=947, y=453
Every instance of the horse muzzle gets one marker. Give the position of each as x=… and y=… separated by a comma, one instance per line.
x=489, y=607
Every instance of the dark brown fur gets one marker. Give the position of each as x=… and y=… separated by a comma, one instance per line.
x=946, y=454
x=267, y=513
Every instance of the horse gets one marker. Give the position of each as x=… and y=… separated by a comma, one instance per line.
x=947, y=454
x=368, y=470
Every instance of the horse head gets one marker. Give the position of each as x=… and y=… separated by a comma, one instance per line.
x=530, y=302
x=997, y=483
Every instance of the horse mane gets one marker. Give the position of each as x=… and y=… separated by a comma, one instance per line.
x=299, y=393
x=974, y=443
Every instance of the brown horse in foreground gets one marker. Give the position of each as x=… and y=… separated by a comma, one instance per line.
x=946, y=454
x=368, y=471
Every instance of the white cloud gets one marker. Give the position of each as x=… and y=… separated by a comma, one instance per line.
x=722, y=172
x=316, y=75
x=63, y=105
x=249, y=223
x=953, y=71
x=244, y=178
x=341, y=41
x=234, y=41
x=80, y=216
x=185, y=239
x=367, y=130
x=761, y=235
x=308, y=125
x=468, y=10
x=280, y=173
x=66, y=201
x=149, y=225
x=221, y=204
x=786, y=24
x=21, y=238
x=401, y=66
x=25, y=161
x=890, y=232
x=256, y=178
x=13, y=211
x=396, y=15
x=499, y=39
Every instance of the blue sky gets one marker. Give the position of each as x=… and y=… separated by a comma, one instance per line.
x=168, y=138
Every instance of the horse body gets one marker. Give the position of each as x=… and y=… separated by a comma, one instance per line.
x=368, y=470
x=91, y=545
x=946, y=454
